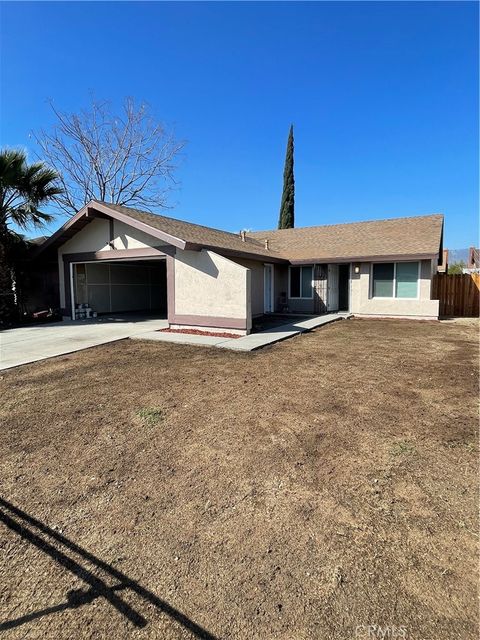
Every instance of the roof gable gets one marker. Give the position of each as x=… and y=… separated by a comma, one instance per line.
x=181, y=234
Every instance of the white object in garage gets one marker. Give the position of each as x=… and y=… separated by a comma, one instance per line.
x=83, y=312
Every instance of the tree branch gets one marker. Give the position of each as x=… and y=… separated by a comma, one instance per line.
x=124, y=159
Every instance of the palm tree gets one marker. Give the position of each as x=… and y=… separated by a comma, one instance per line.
x=23, y=189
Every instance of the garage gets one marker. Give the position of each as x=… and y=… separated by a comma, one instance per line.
x=113, y=260
x=120, y=287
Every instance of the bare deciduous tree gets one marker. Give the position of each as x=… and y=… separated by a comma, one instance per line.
x=127, y=159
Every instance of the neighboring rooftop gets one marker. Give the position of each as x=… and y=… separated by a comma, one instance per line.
x=37, y=241
x=473, y=258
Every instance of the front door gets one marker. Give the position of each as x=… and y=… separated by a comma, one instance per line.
x=268, y=288
x=332, y=287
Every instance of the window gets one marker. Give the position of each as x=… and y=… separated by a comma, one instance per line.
x=383, y=275
x=406, y=280
x=301, y=282
x=395, y=280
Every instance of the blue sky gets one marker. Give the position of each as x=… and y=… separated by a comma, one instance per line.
x=383, y=97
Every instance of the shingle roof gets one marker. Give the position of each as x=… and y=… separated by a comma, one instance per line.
x=196, y=233
x=412, y=236
x=420, y=235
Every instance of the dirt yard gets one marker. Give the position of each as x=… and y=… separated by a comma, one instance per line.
x=312, y=490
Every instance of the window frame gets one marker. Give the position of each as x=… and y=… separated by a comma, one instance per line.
x=301, y=267
x=394, y=296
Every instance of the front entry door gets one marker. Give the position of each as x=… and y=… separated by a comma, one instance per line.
x=268, y=288
x=332, y=287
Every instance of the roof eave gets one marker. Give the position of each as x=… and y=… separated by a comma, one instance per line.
x=364, y=258
x=238, y=253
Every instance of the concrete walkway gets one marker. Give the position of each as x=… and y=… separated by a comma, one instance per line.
x=245, y=343
x=30, y=344
x=270, y=336
x=183, y=338
x=38, y=342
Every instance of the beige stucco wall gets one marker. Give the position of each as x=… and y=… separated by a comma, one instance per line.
x=126, y=237
x=362, y=304
x=256, y=283
x=93, y=237
x=207, y=284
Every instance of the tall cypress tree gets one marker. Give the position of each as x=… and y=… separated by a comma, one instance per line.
x=286, y=218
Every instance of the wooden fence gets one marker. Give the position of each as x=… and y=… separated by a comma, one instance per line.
x=458, y=294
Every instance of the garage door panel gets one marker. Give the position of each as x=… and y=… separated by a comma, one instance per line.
x=158, y=273
x=110, y=287
x=158, y=297
x=121, y=274
x=130, y=297
x=97, y=273
x=99, y=297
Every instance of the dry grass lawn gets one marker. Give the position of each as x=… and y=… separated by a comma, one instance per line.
x=305, y=491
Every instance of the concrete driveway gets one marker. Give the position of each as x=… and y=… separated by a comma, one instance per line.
x=29, y=344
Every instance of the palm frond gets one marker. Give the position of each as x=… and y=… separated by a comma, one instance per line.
x=24, y=188
x=12, y=162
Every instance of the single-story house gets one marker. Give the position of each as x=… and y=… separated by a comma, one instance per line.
x=118, y=259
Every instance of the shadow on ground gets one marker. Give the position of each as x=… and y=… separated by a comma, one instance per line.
x=29, y=529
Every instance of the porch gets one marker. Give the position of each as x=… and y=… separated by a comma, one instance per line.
x=309, y=289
